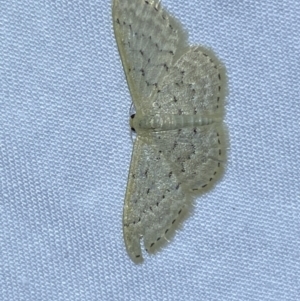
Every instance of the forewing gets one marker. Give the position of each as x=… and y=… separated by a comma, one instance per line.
x=195, y=155
x=154, y=199
x=147, y=39
x=194, y=85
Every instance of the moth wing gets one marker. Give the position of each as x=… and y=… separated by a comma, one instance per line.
x=196, y=155
x=148, y=40
x=195, y=84
x=154, y=201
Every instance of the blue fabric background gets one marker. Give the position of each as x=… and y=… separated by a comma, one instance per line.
x=65, y=150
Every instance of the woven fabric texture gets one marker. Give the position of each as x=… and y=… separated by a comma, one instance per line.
x=65, y=150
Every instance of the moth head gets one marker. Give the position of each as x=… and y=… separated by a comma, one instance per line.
x=131, y=122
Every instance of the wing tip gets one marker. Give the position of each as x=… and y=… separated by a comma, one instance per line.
x=133, y=245
x=152, y=246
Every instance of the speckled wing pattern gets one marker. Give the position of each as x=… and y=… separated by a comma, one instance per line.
x=166, y=77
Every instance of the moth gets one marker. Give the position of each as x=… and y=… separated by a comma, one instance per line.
x=178, y=92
